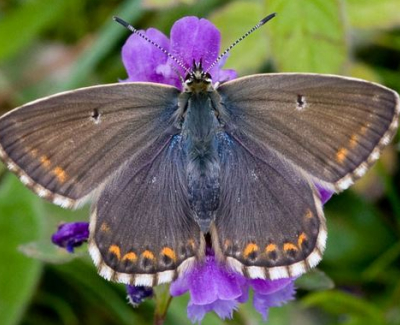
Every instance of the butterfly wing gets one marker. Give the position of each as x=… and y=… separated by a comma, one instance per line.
x=64, y=146
x=270, y=222
x=141, y=228
x=333, y=128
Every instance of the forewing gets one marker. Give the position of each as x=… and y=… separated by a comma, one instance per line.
x=332, y=127
x=141, y=228
x=66, y=145
x=270, y=222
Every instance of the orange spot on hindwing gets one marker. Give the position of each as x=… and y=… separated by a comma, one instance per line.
x=302, y=238
x=289, y=247
x=148, y=254
x=270, y=248
x=272, y=251
x=169, y=252
x=131, y=256
x=114, y=249
x=250, y=249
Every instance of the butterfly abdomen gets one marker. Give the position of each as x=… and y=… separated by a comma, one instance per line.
x=199, y=132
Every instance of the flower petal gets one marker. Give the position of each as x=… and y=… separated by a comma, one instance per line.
x=180, y=285
x=226, y=75
x=197, y=312
x=212, y=287
x=267, y=287
x=142, y=60
x=262, y=302
x=194, y=39
x=324, y=194
x=71, y=235
x=137, y=294
x=209, y=282
x=191, y=39
x=223, y=308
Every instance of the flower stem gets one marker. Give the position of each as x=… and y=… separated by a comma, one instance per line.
x=163, y=300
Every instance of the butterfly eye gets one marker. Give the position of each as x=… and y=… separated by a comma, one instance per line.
x=206, y=77
x=189, y=79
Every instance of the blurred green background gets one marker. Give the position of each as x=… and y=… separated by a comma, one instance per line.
x=48, y=46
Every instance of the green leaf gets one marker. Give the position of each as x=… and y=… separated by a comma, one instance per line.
x=372, y=14
x=163, y=4
x=356, y=233
x=252, y=52
x=308, y=36
x=341, y=304
x=108, y=37
x=21, y=220
x=314, y=280
x=291, y=313
x=363, y=71
x=177, y=311
x=21, y=26
x=58, y=306
x=81, y=275
x=382, y=263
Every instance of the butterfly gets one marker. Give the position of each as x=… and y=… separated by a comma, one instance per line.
x=172, y=172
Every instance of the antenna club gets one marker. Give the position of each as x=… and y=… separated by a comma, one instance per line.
x=262, y=22
x=268, y=18
x=121, y=21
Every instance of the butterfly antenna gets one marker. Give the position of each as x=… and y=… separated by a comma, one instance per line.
x=260, y=23
x=135, y=31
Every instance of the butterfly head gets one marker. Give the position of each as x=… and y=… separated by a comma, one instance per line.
x=197, y=80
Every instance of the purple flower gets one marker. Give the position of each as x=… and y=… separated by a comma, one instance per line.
x=271, y=293
x=137, y=294
x=324, y=194
x=215, y=287
x=71, y=235
x=191, y=38
x=74, y=234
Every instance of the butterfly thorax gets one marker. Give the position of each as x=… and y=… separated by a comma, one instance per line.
x=199, y=135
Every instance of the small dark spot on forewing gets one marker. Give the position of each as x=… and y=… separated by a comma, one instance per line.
x=301, y=102
x=95, y=116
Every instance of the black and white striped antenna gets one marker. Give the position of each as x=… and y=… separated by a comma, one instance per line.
x=135, y=31
x=180, y=63
x=260, y=23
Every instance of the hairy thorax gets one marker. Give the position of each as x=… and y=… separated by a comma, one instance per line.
x=200, y=126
